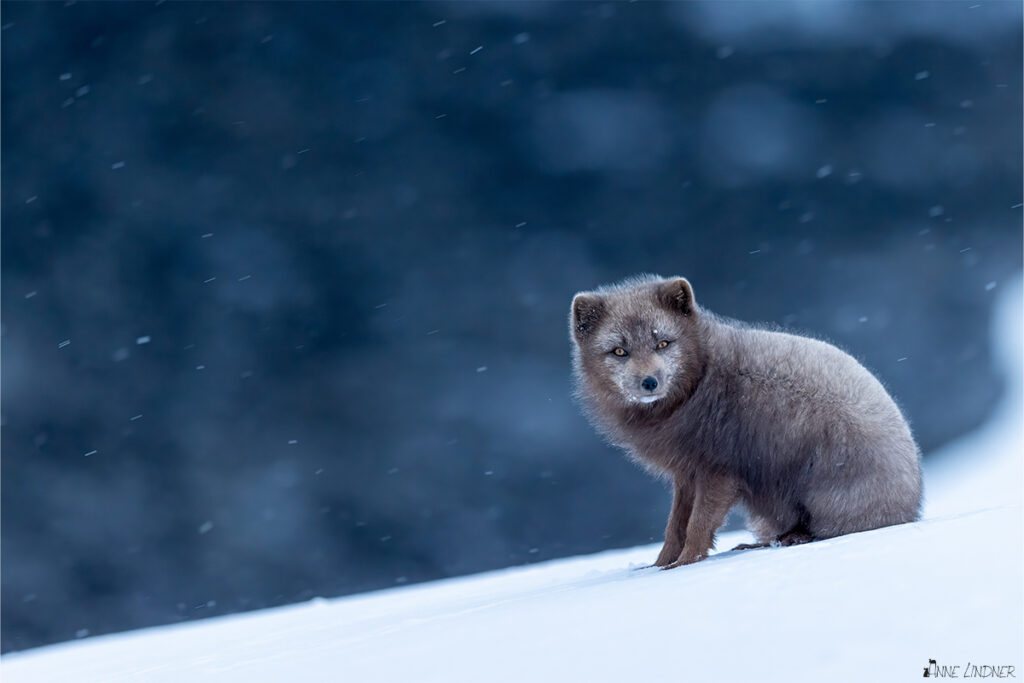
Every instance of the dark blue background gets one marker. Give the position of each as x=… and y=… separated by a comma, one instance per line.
x=314, y=262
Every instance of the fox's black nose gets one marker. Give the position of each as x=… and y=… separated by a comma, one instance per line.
x=649, y=383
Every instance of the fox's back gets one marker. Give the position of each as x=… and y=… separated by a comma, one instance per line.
x=803, y=383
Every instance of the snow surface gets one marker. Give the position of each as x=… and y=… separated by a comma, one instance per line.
x=873, y=606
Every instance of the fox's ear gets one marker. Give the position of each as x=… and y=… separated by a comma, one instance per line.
x=677, y=295
x=587, y=310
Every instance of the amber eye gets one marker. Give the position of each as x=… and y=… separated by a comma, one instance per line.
x=662, y=344
x=619, y=351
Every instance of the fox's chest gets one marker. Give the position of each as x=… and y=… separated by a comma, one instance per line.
x=656, y=445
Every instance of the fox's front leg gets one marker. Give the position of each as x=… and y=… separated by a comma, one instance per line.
x=675, y=530
x=713, y=496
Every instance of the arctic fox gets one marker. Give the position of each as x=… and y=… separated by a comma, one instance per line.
x=793, y=428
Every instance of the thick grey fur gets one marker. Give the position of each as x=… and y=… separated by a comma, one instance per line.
x=797, y=431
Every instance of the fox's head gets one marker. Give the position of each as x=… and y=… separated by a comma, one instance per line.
x=636, y=343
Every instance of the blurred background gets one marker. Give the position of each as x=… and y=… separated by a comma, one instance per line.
x=285, y=285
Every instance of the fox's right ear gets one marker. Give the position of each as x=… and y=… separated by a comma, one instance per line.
x=677, y=295
x=587, y=310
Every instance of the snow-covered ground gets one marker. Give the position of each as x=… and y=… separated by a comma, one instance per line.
x=873, y=606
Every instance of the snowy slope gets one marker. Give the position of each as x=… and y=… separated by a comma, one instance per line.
x=874, y=606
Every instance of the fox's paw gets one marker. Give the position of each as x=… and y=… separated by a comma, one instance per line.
x=686, y=558
x=793, y=538
x=667, y=556
x=750, y=546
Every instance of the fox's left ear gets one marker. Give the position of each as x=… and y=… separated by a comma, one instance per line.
x=587, y=310
x=677, y=295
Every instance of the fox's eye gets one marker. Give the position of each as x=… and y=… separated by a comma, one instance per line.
x=662, y=344
x=619, y=351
